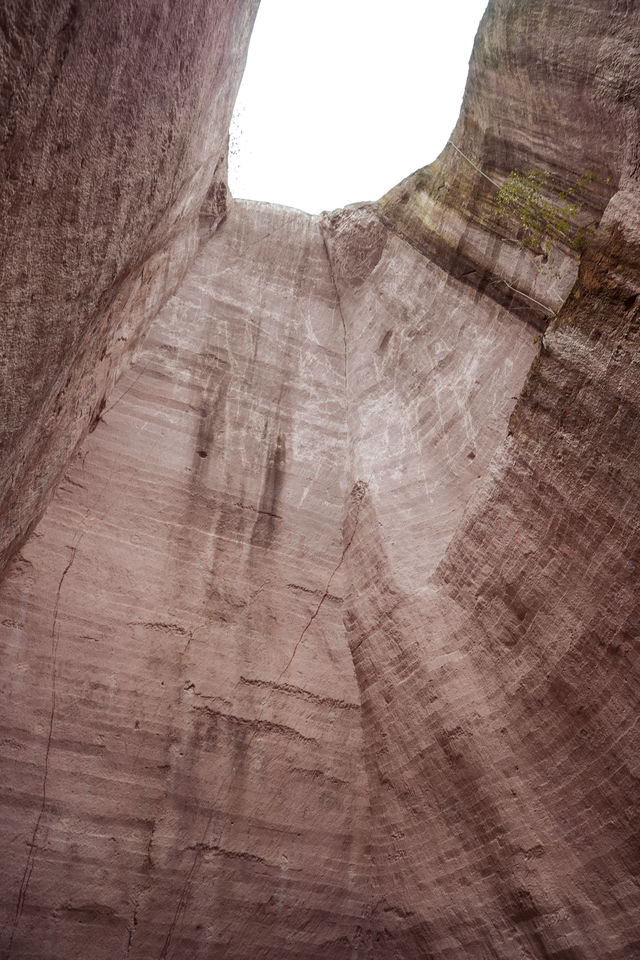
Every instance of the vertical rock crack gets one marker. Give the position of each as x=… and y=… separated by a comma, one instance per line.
x=31, y=856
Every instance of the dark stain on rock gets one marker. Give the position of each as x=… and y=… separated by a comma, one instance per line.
x=457, y=260
x=269, y=514
x=521, y=906
x=97, y=417
x=93, y=913
x=384, y=343
x=212, y=409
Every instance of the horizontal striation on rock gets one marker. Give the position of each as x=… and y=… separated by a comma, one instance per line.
x=114, y=121
x=500, y=702
x=189, y=757
x=497, y=663
x=551, y=87
x=326, y=646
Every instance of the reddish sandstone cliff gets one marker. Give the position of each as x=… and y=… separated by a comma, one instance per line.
x=326, y=646
x=113, y=139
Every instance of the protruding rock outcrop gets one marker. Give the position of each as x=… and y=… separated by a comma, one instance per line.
x=324, y=647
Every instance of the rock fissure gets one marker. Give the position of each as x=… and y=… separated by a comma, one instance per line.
x=344, y=326
x=32, y=845
x=360, y=485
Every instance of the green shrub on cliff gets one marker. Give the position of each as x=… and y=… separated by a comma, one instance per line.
x=543, y=222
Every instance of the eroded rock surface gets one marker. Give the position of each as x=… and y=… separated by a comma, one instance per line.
x=113, y=142
x=219, y=678
x=326, y=646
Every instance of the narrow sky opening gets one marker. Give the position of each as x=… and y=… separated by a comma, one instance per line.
x=342, y=99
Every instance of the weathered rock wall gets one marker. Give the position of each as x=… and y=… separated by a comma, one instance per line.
x=500, y=686
x=551, y=87
x=493, y=628
x=185, y=769
x=178, y=618
x=113, y=132
x=327, y=644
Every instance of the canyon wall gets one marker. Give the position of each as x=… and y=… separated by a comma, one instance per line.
x=492, y=603
x=195, y=662
x=324, y=646
x=114, y=119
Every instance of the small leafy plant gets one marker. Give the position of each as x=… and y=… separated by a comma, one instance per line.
x=545, y=223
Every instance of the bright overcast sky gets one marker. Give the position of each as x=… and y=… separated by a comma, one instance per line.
x=342, y=99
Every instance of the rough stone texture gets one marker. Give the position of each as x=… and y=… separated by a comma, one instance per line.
x=113, y=139
x=326, y=646
x=495, y=653
x=498, y=670
x=202, y=733
x=432, y=375
x=196, y=665
x=551, y=87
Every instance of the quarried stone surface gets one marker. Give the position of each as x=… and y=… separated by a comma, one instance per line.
x=185, y=767
x=114, y=118
x=327, y=645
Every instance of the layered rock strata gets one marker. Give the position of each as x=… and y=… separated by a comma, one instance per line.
x=203, y=731
x=325, y=645
x=494, y=640
x=113, y=143
x=196, y=665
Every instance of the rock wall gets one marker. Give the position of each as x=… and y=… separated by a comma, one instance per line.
x=194, y=661
x=551, y=87
x=113, y=140
x=492, y=616
x=325, y=645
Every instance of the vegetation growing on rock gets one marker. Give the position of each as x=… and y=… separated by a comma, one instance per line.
x=544, y=222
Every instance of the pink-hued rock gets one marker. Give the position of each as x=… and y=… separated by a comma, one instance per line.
x=194, y=662
x=326, y=646
x=196, y=714
x=499, y=692
x=114, y=118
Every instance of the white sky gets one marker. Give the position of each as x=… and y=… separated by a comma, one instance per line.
x=342, y=99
